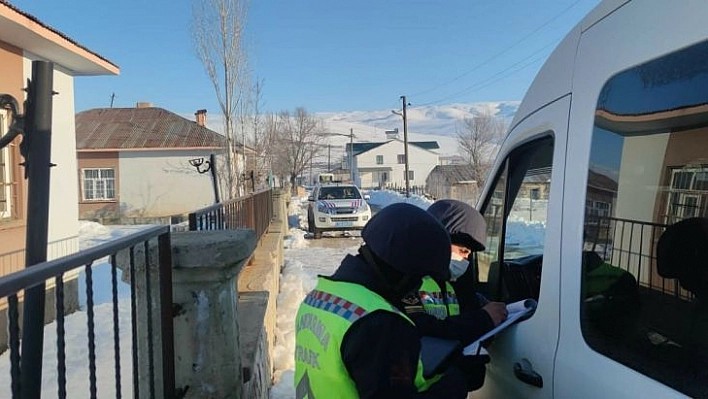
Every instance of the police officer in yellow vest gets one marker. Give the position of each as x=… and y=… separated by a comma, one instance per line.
x=352, y=338
x=439, y=309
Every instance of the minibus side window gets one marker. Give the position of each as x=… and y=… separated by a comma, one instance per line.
x=644, y=271
x=510, y=267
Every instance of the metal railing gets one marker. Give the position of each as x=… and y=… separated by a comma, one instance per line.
x=631, y=245
x=253, y=211
x=12, y=285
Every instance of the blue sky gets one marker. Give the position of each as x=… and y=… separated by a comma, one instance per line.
x=324, y=55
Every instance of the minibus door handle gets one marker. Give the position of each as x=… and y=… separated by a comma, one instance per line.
x=523, y=370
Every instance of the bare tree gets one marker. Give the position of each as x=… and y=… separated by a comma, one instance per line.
x=262, y=136
x=479, y=138
x=218, y=34
x=297, y=139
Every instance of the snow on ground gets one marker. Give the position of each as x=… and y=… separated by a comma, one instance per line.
x=382, y=198
x=90, y=234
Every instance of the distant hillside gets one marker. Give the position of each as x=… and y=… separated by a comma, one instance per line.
x=432, y=122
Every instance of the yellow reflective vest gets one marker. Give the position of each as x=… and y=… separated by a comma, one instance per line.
x=436, y=303
x=321, y=322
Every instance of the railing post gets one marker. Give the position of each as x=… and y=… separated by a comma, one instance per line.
x=192, y=221
x=37, y=143
x=280, y=213
x=168, y=345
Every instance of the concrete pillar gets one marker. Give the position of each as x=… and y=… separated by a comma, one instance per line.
x=207, y=348
x=204, y=302
x=280, y=209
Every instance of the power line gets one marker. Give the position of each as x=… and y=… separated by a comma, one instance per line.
x=501, y=75
x=499, y=54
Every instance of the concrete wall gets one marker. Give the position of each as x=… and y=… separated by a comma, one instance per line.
x=162, y=183
x=63, y=189
x=261, y=276
x=225, y=287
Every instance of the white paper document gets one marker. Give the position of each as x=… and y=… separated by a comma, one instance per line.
x=515, y=311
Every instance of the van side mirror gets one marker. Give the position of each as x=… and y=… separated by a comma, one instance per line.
x=367, y=197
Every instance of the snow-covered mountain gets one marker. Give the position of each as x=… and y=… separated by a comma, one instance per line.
x=425, y=123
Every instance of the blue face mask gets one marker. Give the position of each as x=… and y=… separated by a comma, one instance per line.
x=458, y=266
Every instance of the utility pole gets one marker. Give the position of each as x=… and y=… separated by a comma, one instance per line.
x=329, y=153
x=351, y=154
x=405, y=145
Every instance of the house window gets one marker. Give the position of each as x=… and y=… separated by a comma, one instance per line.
x=99, y=184
x=645, y=315
x=401, y=158
x=535, y=193
x=379, y=159
x=5, y=173
x=687, y=195
x=411, y=175
x=598, y=208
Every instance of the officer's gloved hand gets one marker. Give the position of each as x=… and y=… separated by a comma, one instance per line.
x=474, y=369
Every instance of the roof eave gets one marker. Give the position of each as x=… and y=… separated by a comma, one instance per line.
x=26, y=32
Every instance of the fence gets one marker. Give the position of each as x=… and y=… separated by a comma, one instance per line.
x=253, y=211
x=631, y=245
x=154, y=344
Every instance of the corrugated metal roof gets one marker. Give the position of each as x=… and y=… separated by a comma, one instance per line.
x=602, y=182
x=137, y=128
x=454, y=173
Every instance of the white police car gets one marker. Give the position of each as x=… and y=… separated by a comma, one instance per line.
x=337, y=207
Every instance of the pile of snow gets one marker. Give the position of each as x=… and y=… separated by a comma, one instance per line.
x=383, y=198
x=92, y=233
x=77, y=382
x=77, y=365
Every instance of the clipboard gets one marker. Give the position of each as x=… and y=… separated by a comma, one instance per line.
x=436, y=354
x=518, y=311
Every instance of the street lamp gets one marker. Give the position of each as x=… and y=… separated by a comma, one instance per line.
x=405, y=142
x=210, y=166
x=198, y=162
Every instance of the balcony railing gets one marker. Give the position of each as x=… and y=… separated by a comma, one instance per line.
x=253, y=211
x=152, y=340
x=631, y=245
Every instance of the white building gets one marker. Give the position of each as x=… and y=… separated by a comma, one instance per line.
x=382, y=164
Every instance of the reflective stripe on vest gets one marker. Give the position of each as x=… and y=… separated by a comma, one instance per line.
x=321, y=322
x=431, y=297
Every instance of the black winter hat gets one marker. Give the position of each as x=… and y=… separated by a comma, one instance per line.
x=409, y=240
x=465, y=224
x=682, y=253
